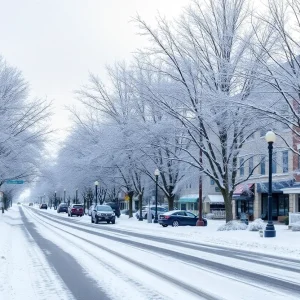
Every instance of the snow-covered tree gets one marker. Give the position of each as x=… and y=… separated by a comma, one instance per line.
x=207, y=57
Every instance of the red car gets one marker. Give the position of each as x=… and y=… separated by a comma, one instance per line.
x=75, y=210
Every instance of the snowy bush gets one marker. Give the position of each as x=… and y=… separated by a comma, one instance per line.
x=257, y=225
x=296, y=226
x=233, y=225
x=209, y=216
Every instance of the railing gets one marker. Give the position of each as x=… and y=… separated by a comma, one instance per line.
x=219, y=214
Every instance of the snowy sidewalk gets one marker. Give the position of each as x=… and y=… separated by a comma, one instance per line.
x=24, y=270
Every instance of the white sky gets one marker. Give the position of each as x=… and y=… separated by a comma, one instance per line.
x=56, y=43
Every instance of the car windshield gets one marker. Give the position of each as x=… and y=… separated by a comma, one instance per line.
x=77, y=206
x=64, y=205
x=104, y=208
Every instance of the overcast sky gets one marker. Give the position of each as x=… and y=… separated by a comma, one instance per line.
x=56, y=43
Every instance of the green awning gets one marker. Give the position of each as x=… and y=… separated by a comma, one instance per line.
x=189, y=199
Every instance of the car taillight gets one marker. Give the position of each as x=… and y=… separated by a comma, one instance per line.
x=73, y=209
x=166, y=217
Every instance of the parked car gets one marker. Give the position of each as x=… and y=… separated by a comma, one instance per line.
x=30, y=204
x=179, y=218
x=103, y=213
x=91, y=209
x=160, y=210
x=126, y=211
x=75, y=209
x=62, y=207
x=115, y=207
x=43, y=206
x=19, y=203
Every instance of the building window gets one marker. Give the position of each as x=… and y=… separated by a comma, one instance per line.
x=274, y=163
x=285, y=162
x=212, y=182
x=241, y=166
x=190, y=185
x=250, y=165
x=263, y=166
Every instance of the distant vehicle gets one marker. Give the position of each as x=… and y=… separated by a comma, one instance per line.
x=115, y=207
x=19, y=203
x=160, y=210
x=126, y=211
x=103, y=213
x=62, y=207
x=91, y=209
x=43, y=206
x=75, y=209
x=30, y=204
x=179, y=218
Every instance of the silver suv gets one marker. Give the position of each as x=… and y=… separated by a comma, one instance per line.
x=160, y=210
x=103, y=213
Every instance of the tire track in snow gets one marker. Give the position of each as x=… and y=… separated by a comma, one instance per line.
x=215, y=266
x=172, y=280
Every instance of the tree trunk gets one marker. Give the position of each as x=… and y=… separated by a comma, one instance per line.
x=130, y=195
x=228, y=205
x=171, y=202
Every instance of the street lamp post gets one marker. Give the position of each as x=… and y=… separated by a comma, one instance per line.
x=156, y=173
x=55, y=204
x=96, y=190
x=141, y=211
x=76, y=197
x=64, y=195
x=270, y=229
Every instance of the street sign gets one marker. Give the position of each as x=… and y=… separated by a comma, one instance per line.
x=14, y=181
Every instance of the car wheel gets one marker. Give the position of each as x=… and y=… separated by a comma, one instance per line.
x=108, y=222
x=175, y=223
x=92, y=221
x=96, y=220
x=164, y=225
x=113, y=222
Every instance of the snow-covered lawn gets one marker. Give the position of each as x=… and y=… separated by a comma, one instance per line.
x=286, y=243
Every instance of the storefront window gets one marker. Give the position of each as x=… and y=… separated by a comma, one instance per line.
x=244, y=206
x=280, y=205
x=183, y=206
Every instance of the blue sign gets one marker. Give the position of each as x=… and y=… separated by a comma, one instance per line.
x=14, y=181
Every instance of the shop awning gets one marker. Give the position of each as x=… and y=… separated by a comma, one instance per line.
x=294, y=189
x=243, y=188
x=277, y=187
x=189, y=198
x=215, y=199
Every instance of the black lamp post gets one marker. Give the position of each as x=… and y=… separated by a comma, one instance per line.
x=64, y=195
x=55, y=204
x=156, y=173
x=141, y=211
x=76, y=197
x=270, y=229
x=96, y=190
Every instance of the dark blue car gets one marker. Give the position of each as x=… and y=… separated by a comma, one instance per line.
x=179, y=218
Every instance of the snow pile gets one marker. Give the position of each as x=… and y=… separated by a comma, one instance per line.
x=233, y=225
x=257, y=225
x=296, y=226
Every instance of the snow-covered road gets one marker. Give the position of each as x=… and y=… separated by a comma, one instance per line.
x=83, y=260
